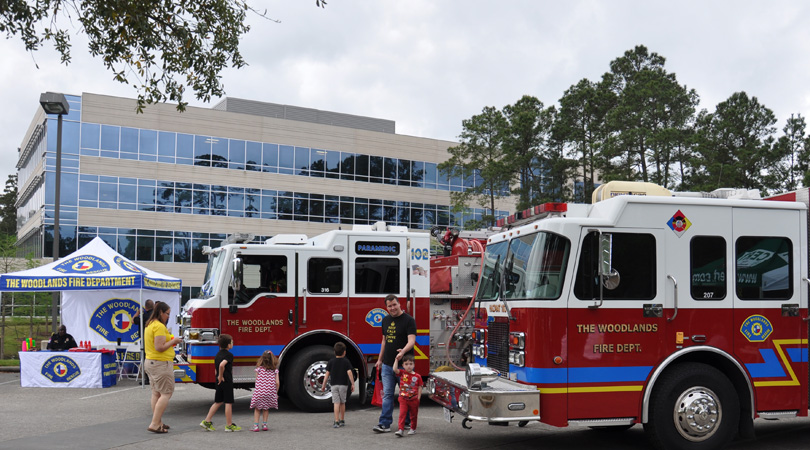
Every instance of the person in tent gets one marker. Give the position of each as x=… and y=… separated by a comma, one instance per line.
x=61, y=340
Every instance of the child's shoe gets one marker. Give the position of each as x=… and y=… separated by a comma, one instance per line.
x=256, y=427
x=264, y=426
x=207, y=426
x=398, y=433
x=336, y=424
x=411, y=431
x=233, y=427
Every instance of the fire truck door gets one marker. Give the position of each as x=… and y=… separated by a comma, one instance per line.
x=377, y=267
x=614, y=344
x=265, y=304
x=770, y=338
x=322, y=291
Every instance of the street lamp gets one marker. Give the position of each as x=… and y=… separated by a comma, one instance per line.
x=54, y=103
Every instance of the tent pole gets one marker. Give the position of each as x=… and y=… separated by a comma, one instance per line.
x=143, y=334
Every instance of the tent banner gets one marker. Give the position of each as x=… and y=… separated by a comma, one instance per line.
x=103, y=317
x=95, y=266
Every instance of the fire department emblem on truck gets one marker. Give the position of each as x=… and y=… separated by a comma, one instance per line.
x=375, y=317
x=756, y=328
x=679, y=223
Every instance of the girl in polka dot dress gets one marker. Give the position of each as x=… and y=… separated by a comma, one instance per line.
x=265, y=395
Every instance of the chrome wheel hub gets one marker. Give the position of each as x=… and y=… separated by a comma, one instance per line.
x=313, y=380
x=697, y=413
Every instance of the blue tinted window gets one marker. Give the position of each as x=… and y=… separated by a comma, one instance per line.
x=202, y=150
x=219, y=152
x=375, y=169
x=219, y=203
x=253, y=156
x=252, y=202
x=88, y=190
x=268, y=207
x=129, y=140
x=145, y=248
x=390, y=170
x=286, y=159
x=109, y=137
x=361, y=167
x=270, y=158
x=236, y=154
x=148, y=142
x=91, y=134
x=70, y=190
x=430, y=175
x=108, y=192
x=166, y=144
x=317, y=162
x=146, y=198
x=417, y=173
x=404, y=172
x=185, y=146
x=346, y=166
x=301, y=161
x=182, y=249
x=127, y=193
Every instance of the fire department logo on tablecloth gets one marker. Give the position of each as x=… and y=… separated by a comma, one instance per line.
x=82, y=264
x=756, y=328
x=113, y=319
x=375, y=317
x=60, y=369
x=679, y=223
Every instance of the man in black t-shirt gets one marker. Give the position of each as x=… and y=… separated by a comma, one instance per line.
x=399, y=337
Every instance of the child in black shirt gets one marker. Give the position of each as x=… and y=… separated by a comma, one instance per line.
x=223, y=365
x=342, y=380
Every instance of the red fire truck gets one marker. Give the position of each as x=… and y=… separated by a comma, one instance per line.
x=685, y=314
x=298, y=296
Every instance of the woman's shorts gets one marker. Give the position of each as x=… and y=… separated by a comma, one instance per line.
x=339, y=393
x=161, y=376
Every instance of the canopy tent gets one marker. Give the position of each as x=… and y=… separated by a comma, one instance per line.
x=104, y=315
x=93, y=267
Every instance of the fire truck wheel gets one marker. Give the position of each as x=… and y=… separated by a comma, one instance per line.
x=693, y=406
x=305, y=378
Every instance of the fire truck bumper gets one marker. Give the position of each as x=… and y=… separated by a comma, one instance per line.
x=500, y=400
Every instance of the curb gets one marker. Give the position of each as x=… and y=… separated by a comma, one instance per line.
x=9, y=369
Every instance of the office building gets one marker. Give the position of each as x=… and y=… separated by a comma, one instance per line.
x=161, y=185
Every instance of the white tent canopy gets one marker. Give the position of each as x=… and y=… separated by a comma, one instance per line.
x=93, y=267
x=101, y=292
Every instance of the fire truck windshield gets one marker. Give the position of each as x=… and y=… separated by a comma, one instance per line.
x=527, y=267
x=215, y=262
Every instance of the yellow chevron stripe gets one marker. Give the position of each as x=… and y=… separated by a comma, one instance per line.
x=778, y=343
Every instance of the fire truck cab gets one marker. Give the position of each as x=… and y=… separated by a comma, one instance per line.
x=685, y=314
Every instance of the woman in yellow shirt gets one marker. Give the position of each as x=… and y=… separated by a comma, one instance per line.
x=159, y=345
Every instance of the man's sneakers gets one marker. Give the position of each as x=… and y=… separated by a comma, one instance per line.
x=411, y=432
x=379, y=428
x=233, y=427
x=207, y=426
x=398, y=433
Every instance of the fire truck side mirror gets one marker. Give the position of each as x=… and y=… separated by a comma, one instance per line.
x=237, y=270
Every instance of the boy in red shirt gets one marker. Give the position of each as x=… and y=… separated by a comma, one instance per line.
x=410, y=390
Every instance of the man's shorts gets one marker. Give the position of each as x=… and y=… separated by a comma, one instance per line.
x=224, y=393
x=161, y=376
x=339, y=393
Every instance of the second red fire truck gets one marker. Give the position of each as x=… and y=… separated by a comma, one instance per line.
x=687, y=315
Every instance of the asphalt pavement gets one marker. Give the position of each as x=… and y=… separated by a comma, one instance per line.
x=117, y=417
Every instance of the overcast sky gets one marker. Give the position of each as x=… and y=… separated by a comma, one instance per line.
x=430, y=64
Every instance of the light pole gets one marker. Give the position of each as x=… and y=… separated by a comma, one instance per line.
x=54, y=103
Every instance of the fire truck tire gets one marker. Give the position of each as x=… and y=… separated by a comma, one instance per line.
x=694, y=406
x=305, y=377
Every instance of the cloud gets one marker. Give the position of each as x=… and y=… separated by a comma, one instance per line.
x=429, y=65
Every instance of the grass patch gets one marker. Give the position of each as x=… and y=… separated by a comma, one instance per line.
x=9, y=362
x=18, y=329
